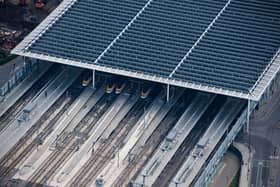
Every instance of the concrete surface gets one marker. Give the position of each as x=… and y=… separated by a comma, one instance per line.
x=182, y=129
x=10, y=136
x=228, y=169
x=38, y=156
x=213, y=134
x=116, y=166
x=80, y=157
x=265, y=140
x=246, y=167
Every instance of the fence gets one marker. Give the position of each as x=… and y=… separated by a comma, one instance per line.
x=18, y=77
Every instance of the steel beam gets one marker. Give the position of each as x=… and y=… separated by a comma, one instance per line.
x=139, y=75
x=93, y=78
x=167, y=92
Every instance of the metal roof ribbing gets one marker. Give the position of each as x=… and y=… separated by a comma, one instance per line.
x=43, y=26
x=200, y=38
x=87, y=28
x=237, y=48
x=149, y=40
x=161, y=35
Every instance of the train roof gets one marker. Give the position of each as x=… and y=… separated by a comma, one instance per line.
x=228, y=47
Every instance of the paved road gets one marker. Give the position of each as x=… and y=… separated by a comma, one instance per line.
x=261, y=162
x=265, y=140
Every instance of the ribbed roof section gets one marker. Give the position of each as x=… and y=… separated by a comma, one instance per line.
x=237, y=48
x=87, y=28
x=229, y=47
x=160, y=37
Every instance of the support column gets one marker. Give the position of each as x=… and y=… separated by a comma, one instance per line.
x=248, y=116
x=167, y=93
x=93, y=78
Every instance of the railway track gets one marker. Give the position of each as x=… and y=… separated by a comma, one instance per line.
x=36, y=134
x=51, y=164
x=103, y=154
x=11, y=114
x=68, y=143
x=207, y=161
x=178, y=159
x=97, y=111
x=138, y=160
x=213, y=153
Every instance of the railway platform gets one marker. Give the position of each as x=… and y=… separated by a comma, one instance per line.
x=11, y=135
x=11, y=98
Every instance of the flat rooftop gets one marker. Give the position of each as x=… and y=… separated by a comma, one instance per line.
x=227, y=47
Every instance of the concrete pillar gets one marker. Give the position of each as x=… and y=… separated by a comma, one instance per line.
x=167, y=92
x=93, y=78
x=248, y=116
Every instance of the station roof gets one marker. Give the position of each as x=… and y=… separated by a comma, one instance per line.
x=228, y=47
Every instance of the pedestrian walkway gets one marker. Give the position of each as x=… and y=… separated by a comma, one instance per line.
x=227, y=171
x=245, y=174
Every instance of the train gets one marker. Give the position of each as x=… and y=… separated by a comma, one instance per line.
x=145, y=91
x=120, y=86
x=87, y=78
x=110, y=86
x=86, y=81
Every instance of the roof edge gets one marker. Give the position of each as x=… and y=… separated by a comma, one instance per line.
x=255, y=93
x=267, y=76
x=127, y=73
x=44, y=25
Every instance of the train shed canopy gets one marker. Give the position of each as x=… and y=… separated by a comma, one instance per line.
x=228, y=47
